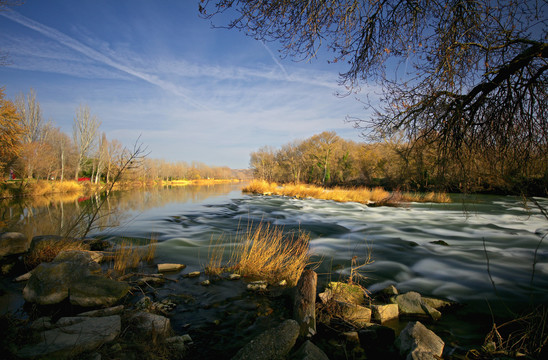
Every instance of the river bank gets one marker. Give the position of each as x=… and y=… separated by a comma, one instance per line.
x=59, y=295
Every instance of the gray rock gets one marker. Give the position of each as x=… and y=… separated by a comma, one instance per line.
x=152, y=324
x=309, y=351
x=272, y=344
x=411, y=304
x=12, y=243
x=72, y=272
x=97, y=291
x=68, y=341
x=416, y=342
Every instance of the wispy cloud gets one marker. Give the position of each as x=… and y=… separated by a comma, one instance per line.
x=98, y=56
x=276, y=60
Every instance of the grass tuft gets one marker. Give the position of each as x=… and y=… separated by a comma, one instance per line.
x=129, y=256
x=264, y=252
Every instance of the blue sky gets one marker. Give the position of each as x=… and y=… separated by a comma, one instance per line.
x=155, y=69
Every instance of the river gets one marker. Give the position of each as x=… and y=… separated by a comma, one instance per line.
x=486, y=252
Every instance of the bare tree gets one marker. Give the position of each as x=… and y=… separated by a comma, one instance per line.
x=84, y=132
x=467, y=76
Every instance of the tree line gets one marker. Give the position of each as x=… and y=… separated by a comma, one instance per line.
x=34, y=148
x=395, y=163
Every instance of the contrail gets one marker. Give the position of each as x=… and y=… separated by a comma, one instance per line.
x=97, y=56
x=276, y=60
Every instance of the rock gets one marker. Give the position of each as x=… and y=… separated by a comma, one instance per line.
x=309, y=351
x=103, y=312
x=193, y=274
x=97, y=291
x=389, y=291
x=304, y=304
x=37, y=240
x=13, y=243
x=23, y=277
x=97, y=244
x=272, y=344
x=358, y=315
x=205, y=283
x=257, y=285
x=338, y=291
x=282, y=283
x=418, y=343
x=234, y=276
x=411, y=305
x=437, y=303
x=384, y=313
x=68, y=341
x=152, y=324
x=170, y=267
x=72, y=272
x=439, y=242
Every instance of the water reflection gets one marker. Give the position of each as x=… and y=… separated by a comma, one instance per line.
x=55, y=215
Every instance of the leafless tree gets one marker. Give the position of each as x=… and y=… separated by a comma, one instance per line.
x=468, y=76
x=84, y=132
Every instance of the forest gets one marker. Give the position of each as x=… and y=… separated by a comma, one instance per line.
x=396, y=163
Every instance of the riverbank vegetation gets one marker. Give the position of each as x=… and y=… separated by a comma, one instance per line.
x=395, y=164
x=362, y=195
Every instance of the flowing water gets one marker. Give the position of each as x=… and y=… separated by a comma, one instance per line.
x=486, y=252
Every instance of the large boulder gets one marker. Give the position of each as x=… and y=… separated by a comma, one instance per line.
x=12, y=243
x=416, y=342
x=272, y=344
x=74, y=273
x=73, y=336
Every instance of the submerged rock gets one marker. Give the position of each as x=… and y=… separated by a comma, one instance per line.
x=73, y=336
x=271, y=344
x=417, y=342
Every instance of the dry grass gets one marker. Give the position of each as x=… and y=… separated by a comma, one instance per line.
x=67, y=187
x=129, y=256
x=362, y=195
x=47, y=250
x=265, y=252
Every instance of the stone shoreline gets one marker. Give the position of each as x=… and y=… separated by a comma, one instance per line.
x=113, y=320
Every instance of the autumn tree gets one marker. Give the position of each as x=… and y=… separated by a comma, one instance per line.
x=465, y=76
x=10, y=132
